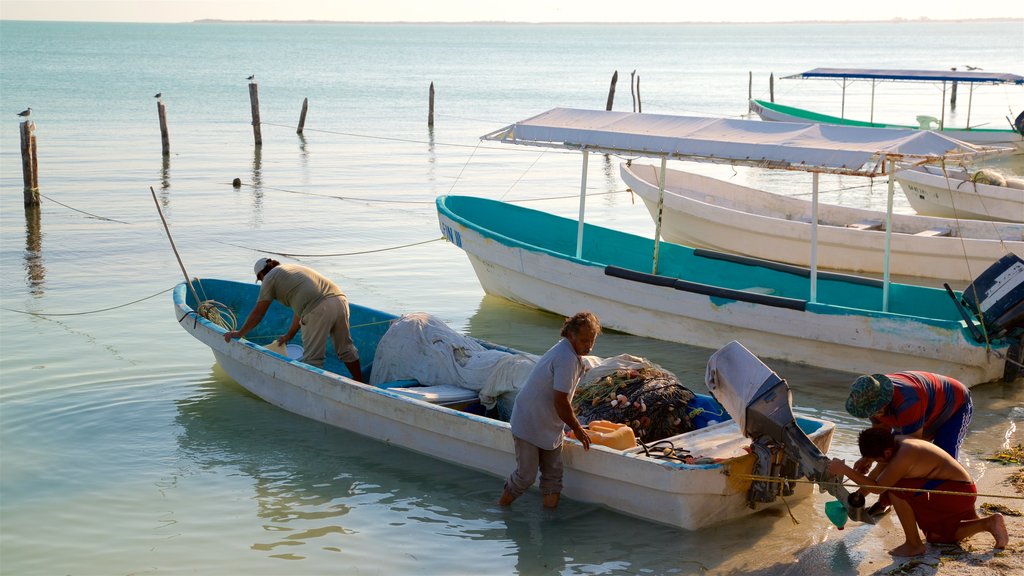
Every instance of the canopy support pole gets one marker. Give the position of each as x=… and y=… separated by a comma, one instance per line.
x=661, y=206
x=970, y=98
x=814, y=237
x=583, y=204
x=942, y=119
x=842, y=109
x=872, y=119
x=888, y=234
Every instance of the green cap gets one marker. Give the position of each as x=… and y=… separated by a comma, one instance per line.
x=868, y=395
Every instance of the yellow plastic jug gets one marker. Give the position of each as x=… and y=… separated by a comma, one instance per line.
x=611, y=434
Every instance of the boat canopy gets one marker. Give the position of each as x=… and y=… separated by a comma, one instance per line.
x=809, y=147
x=913, y=75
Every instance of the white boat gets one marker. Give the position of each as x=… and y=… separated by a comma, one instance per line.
x=711, y=213
x=1011, y=133
x=954, y=192
x=676, y=293
x=402, y=413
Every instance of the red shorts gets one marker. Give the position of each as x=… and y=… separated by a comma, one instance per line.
x=938, y=515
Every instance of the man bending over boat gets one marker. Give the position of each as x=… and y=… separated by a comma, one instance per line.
x=923, y=405
x=319, y=307
x=929, y=490
x=543, y=408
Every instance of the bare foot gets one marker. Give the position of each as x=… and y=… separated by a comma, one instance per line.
x=551, y=500
x=998, y=530
x=907, y=550
x=506, y=498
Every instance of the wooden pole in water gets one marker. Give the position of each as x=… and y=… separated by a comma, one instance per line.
x=771, y=87
x=750, y=86
x=430, y=106
x=165, y=141
x=611, y=90
x=302, y=116
x=254, y=102
x=29, y=162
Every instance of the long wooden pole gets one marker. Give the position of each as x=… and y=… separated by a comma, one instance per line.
x=173, y=247
x=254, y=103
x=29, y=163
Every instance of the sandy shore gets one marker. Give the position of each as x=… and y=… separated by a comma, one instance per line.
x=975, y=556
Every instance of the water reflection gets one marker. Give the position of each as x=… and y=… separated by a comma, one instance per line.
x=257, y=186
x=303, y=157
x=35, y=271
x=431, y=155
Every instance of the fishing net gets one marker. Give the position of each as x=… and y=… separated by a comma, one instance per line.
x=635, y=392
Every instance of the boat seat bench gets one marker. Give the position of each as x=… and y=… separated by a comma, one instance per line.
x=939, y=231
x=866, y=225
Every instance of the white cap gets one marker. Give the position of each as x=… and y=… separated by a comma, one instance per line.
x=260, y=265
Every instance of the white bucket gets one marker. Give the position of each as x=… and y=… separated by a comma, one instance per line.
x=291, y=351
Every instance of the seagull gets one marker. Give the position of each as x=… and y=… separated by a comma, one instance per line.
x=969, y=67
x=251, y=77
x=158, y=95
x=26, y=112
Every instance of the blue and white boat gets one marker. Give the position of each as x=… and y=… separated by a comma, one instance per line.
x=699, y=297
x=430, y=419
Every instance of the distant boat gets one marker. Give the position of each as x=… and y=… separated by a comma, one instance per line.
x=432, y=419
x=953, y=192
x=711, y=213
x=1011, y=134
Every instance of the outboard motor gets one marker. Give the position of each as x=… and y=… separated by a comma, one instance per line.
x=762, y=405
x=996, y=299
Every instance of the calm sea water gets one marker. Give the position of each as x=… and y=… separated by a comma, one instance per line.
x=124, y=449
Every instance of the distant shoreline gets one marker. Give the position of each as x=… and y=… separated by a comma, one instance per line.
x=522, y=23
x=921, y=20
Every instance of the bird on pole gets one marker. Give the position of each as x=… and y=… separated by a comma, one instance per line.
x=26, y=112
x=251, y=77
x=158, y=95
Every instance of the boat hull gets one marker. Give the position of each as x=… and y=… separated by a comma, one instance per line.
x=932, y=193
x=707, y=212
x=682, y=495
x=819, y=335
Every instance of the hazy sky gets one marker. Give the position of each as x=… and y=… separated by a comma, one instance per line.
x=509, y=10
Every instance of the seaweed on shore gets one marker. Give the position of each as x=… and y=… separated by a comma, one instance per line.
x=1012, y=455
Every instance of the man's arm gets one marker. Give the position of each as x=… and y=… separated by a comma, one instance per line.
x=255, y=317
x=564, y=409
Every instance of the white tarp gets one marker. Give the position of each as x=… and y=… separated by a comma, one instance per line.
x=800, y=146
x=421, y=347
x=733, y=376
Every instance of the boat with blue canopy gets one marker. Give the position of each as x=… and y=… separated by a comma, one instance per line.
x=1011, y=133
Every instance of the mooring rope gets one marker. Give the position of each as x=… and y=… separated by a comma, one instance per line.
x=291, y=255
x=89, y=214
x=90, y=311
x=845, y=485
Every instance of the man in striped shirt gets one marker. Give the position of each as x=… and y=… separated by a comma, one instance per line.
x=921, y=405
